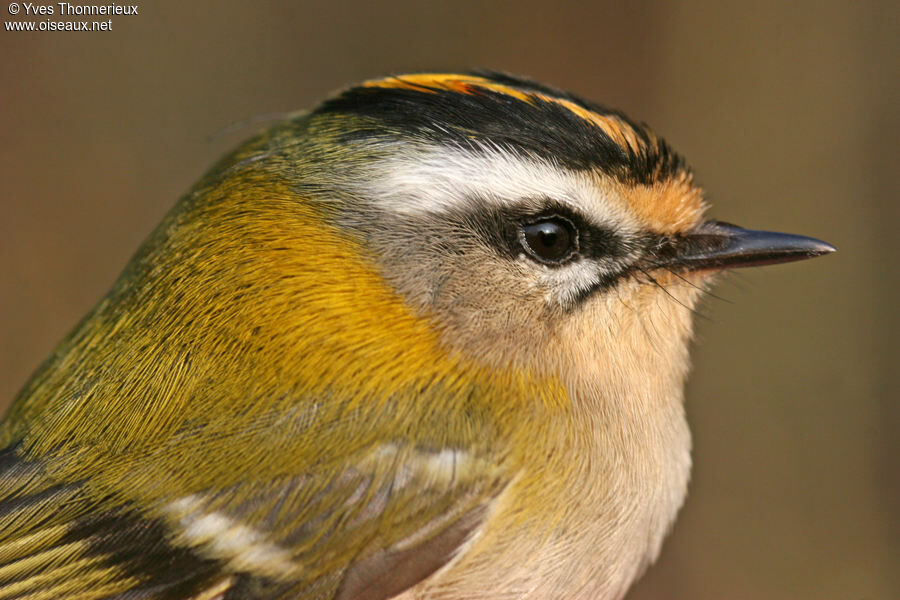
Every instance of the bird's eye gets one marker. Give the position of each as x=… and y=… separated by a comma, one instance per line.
x=550, y=239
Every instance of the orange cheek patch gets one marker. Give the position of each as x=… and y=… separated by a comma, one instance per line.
x=671, y=206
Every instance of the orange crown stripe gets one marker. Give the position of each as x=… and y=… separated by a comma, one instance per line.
x=617, y=129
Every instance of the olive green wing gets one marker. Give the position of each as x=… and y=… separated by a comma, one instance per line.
x=365, y=528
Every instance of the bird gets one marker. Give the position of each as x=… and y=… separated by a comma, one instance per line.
x=427, y=341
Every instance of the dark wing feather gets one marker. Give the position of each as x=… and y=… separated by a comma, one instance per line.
x=363, y=532
x=56, y=541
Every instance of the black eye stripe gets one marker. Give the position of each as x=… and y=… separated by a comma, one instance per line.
x=501, y=228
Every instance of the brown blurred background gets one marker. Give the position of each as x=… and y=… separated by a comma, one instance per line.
x=788, y=114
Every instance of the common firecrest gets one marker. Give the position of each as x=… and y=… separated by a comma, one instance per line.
x=427, y=341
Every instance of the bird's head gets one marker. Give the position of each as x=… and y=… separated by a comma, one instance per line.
x=533, y=228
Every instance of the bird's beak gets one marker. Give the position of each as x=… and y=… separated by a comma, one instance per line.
x=718, y=245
